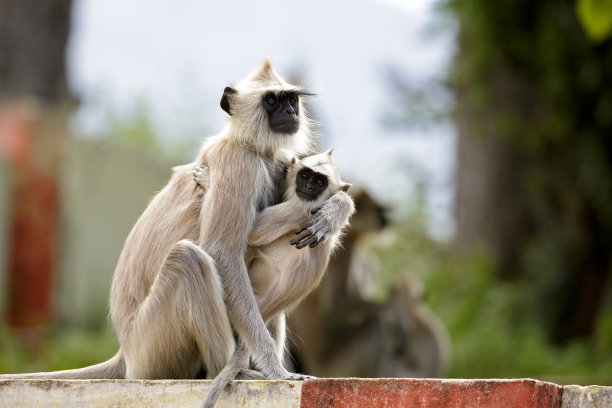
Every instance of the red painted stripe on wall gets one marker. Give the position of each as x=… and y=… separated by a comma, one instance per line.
x=412, y=393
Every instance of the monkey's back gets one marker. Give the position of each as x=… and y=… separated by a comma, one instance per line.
x=172, y=215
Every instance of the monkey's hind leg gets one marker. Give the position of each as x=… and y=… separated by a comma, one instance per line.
x=183, y=323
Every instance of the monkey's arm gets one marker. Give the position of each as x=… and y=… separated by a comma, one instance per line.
x=275, y=221
x=226, y=218
x=330, y=218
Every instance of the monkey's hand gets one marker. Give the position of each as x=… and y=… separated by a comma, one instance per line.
x=201, y=175
x=328, y=219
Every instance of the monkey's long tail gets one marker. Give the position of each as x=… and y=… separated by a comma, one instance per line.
x=110, y=369
x=229, y=372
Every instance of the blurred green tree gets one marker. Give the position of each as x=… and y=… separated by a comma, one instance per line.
x=596, y=18
x=534, y=169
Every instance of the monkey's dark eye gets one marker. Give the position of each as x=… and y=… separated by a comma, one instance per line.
x=304, y=176
x=292, y=101
x=321, y=182
x=271, y=100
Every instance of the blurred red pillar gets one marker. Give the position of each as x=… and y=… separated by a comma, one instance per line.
x=30, y=140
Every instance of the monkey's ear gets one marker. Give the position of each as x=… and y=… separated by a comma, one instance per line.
x=225, y=105
x=345, y=186
x=331, y=151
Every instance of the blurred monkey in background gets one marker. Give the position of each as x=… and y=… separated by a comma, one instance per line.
x=341, y=329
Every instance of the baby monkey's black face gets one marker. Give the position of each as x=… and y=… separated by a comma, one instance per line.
x=309, y=184
x=283, y=109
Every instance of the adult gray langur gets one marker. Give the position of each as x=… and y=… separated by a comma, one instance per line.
x=181, y=286
x=280, y=274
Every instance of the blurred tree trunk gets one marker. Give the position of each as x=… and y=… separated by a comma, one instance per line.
x=490, y=192
x=33, y=95
x=33, y=38
x=534, y=174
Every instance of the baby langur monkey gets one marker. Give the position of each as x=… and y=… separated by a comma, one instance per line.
x=282, y=275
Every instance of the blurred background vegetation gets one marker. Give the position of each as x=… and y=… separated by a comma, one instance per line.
x=523, y=287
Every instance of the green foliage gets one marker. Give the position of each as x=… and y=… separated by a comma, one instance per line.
x=173, y=134
x=134, y=130
x=527, y=74
x=65, y=349
x=495, y=333
x=596, y=18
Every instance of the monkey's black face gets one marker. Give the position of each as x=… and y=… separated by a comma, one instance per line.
x=283, y=109
x=309, y=184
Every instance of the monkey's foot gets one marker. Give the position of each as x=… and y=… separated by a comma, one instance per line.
x=299, y=377
x=246, y=374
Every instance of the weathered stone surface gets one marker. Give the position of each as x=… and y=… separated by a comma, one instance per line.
x=138, y=394
x=317, y=393
x=412, y=393
x=592, y=396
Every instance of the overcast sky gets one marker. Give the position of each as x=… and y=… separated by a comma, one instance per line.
x=178, y=55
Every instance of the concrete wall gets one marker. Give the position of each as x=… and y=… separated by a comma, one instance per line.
x=103, y=191
x=139, y=394
x=318, y=393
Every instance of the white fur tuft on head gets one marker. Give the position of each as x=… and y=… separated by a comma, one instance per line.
x=265, y=74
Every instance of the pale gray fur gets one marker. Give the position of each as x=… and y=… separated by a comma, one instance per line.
x=282, y=275
x=181, y=285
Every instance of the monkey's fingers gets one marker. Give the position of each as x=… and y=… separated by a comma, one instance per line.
x=310, y=241
x=318, y=241
x=300, y=237
x=304, y=227
x=316, y=209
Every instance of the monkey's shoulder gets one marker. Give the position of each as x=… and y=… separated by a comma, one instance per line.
x=232, y=160
x=181, y=194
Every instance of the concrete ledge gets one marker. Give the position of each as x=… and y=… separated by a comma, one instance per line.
x=319, y=393
x=403, y=393
x=592, y=396
x=144, y=393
